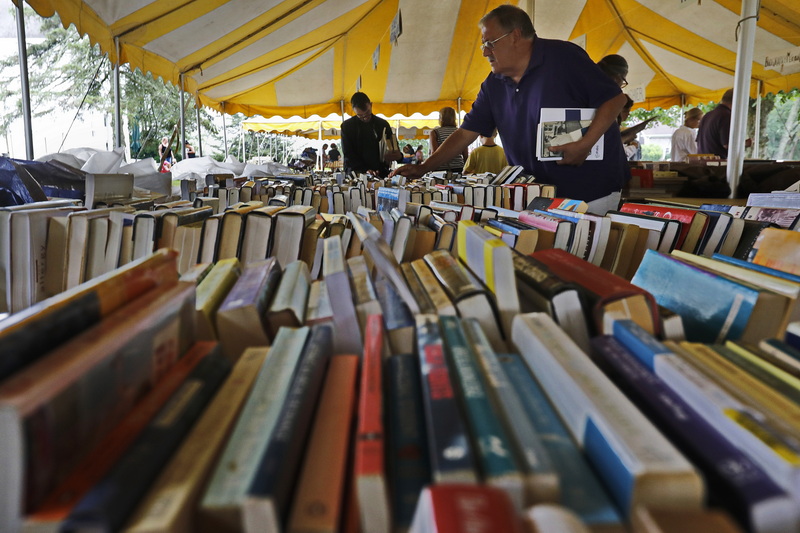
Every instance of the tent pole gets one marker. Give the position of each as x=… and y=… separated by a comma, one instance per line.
x=23, y=75
x=117, y=99
x=458, y=113
x=183, y=120
x=199, y=132
x=224, y=131
x=341, y=104
x=757, y=134
x=741, y=92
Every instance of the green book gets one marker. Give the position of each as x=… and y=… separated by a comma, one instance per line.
x=222, y=502
x=539, y=473
x=492, y=444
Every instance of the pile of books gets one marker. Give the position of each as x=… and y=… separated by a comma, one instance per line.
x=415, y=357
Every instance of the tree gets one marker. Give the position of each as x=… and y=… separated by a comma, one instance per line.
x=67, y=73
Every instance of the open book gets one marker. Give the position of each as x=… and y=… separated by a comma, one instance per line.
x=558, y=125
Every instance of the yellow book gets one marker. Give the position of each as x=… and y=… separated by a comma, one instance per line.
x=170, y=503
x=210, y=294
x=744, y=386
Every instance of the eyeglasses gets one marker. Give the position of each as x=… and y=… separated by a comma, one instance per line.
x=623, y=83
x=490, y=44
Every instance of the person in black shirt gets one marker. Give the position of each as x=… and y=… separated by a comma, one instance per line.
x=333, y=153
x=368, y=143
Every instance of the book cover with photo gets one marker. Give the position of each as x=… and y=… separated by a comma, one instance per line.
x=559, y=126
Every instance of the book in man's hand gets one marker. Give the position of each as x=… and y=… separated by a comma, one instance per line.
x=559, y=126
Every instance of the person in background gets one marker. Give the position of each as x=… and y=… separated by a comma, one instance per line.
x=715, y=128
x=408, y=154
x=616, y=67
x=632, y=146
x=165, y=151
x=324, y=155
x=488, y=157
x=418, y=155
x=333, y=153
x=683, y=139
x=368, y=143
x=530, y=73
x=188, y=149
x=447, y=125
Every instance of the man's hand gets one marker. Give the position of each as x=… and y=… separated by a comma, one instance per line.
x=574, y=153
x=409, y=171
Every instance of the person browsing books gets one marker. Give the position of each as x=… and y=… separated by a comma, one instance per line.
x=333, y=153
x=530, y=73
x=616, y=67
x=488, y=157
x=368, y=143
x=447, y=125
x=715, y=128
x=683, y=139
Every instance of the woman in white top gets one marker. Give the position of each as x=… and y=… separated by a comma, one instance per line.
x=447, y=125
x=684, y=138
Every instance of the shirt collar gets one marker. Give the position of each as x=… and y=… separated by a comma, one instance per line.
x=536, y=59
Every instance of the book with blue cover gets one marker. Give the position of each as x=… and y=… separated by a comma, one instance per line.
x=451, y=454
x=713, y=307
x=580, y=488
x=735, y=481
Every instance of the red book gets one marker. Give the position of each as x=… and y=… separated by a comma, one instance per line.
x=604, y=292
x=455, y=508
x=689, y=219
x=370, y=475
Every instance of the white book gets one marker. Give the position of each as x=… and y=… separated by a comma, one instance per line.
x=628, y=451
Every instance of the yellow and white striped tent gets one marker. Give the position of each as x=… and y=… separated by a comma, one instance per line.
x=307, y=57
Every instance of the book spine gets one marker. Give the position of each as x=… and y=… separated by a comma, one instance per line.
x=407, y=446
x=639, y=464
x=171, y=502
x=542, y=483
x=107, y=506
x=581, y=490
x=318, y=501
x=273, y=480
x=369, y=447
x=451, y=455
x=734, y=480
x=31, y=333
x=492, y=443
x=232, y=476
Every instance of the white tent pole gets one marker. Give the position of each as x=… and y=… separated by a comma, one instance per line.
x=224, y=131
x=458, y=114
x=117, y=99
x=341, y=104
x=757, y=134
x=199, y=148
x=741, y=92
x=23, y=76
x=183, y=120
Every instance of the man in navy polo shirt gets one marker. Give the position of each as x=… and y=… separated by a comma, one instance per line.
x=715, y=128
x=530, y=73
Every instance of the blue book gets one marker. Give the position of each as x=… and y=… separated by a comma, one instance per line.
x=713, y=307
x=409, y=468
x=267, y=501
x=493, y=446
x=451, y=455
x=758, y=268
x=107, y=506
x=734, y=481
x=581, y=491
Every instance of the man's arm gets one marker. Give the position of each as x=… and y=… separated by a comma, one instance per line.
x=575, y=153
x=451, y=147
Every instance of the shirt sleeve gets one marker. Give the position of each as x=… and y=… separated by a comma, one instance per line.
x=480, y=119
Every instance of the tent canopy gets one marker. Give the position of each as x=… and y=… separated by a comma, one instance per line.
x=306, y=57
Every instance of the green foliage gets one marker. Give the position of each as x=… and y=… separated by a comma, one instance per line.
x=652, y=152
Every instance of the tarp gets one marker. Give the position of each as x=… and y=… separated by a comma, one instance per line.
x=306, y=57
x=405, y=127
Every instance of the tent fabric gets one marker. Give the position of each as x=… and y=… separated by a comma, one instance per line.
x=307, y=57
